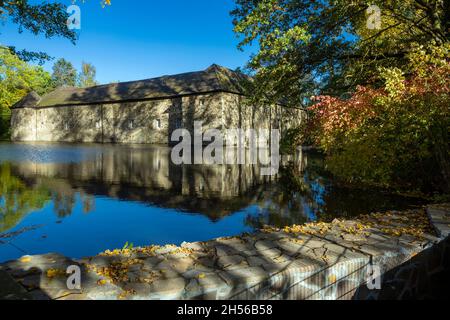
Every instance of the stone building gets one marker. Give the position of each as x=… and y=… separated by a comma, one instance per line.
x=145, y=111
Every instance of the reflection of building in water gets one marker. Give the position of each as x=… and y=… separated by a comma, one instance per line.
x=147, y=174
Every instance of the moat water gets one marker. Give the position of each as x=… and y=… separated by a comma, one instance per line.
x=79, y=200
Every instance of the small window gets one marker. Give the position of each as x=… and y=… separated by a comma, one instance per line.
x=157, y=124
x=201, y=102
x=131, y=124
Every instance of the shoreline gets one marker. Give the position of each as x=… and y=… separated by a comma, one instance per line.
x=311, y=261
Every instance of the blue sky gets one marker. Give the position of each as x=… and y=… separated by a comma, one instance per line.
x=137, y=39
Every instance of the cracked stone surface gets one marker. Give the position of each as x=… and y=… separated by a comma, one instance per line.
x=440, y=215
x=312, y=261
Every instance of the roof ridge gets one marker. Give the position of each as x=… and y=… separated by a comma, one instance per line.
x=214, y=78
x=31, y=97
x=217, y=77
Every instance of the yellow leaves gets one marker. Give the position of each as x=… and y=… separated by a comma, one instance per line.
x=101, y=282
x=150, y=250
x=126, y=293
x=421, y=58
x=115, y=252
x=410, y=222
x=53, y=273
x=25, y=259
x=105, y=3
x=183, y=250
x=332, y=278
x=314, y=228
x=394, y=80
x=295, y=240
x=201, y=276
x=391, y=232
x=116, y=271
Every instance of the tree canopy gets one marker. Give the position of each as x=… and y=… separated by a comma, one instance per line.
x=372, y=75
x=396, y=136
x=17, y=78
x=307, y=46
x=86, y=77
x=47, y=18
x=64, y=74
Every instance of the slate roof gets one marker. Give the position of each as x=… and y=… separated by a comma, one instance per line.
x=214, y=79
x=29, y=101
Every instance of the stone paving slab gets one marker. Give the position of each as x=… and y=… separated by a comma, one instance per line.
x=440, y=215
x=312, y=261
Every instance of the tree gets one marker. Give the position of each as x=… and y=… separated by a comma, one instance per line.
x=381, y=114
x=64, y=74
x=17, y=199
x=45, y=18
x=87, y=75
x=308, y=46
x=396, y=136
x=17, y=78
x=39, y=18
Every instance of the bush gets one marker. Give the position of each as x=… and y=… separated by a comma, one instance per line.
x=397, y=136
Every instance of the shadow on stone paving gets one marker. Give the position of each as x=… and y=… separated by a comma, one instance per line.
x=260, y=266
x=257, y=266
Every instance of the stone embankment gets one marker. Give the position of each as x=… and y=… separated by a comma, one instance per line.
x=312, y=261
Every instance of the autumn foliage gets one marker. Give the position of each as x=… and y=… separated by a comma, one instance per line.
x=396, y=135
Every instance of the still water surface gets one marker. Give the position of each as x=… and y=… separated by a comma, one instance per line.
x=79, y=200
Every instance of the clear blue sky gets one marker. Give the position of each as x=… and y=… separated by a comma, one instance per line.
x=138, y=39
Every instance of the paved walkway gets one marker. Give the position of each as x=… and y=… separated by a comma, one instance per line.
x=312, y=261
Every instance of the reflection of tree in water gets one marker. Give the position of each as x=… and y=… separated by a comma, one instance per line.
x=17, y=199
x=64, y=197
x=88, y=202
x=63, y=203
x=312, y=194
x=293, y=199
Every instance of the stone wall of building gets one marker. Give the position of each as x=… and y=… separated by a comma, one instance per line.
x=150, y=122
x=69, y=124
x=236, y=113
x=23, y=124
x=138, y=122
